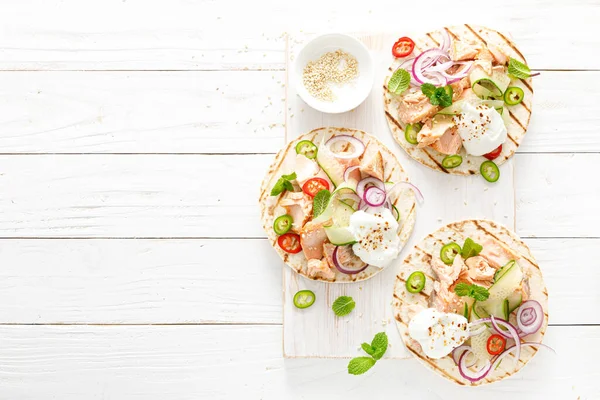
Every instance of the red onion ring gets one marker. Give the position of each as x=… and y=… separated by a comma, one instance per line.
x=425, y=60
x=446, y=40
x=348, y=171
x=470, y=375
x=361, y=186
x=346, y=269
x=458, y=352
x=457, y=76
x=374, y=196
x=359, y=146
x=530, y=317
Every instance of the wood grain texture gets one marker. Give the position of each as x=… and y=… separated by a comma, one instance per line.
x=214, y=35
x=207, y=195
x=147, y=112
x=222, y=112
x=139, y=281
x=86, y=281
x=557, y=195
x=222, y=362
x=322, y=334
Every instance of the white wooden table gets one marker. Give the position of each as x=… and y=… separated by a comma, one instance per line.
x=133, y=138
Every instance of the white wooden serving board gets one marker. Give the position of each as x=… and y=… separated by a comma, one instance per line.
x=317, y=332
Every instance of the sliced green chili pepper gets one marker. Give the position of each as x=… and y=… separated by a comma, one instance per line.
x=397, y=216
x=452, y=161
x=415, y=282
x=304, y=298
x=449, y=252
x=307, y=149
x=282, y=224
x=490, y=171
x=410, y=132
x=513, y=95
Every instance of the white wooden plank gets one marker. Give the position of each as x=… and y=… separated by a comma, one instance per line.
x=557, y=195
x=318, y=334
x=205, y=34
x=139, y=281
x=141, y=112
x=216, y=195
x=175, y=281
x=561, y=120
x=225, y=362
x=131, y=196
x=221, y=112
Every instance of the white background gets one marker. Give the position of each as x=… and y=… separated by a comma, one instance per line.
x=133, y=139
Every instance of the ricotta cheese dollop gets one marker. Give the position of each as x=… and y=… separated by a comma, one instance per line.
x=438, y=333
x=481, y=128
x=376, y=234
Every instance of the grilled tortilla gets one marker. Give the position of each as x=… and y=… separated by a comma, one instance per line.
x=284, y=164
x=419, y=260
x=518, y=115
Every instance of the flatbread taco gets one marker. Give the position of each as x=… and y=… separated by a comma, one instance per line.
x=337, y=206
x=458, y=100
x=470, y=302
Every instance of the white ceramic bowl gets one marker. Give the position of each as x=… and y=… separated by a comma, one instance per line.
x=348, y=96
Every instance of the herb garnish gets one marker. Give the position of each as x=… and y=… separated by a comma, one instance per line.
x=441, y=96
x=343, y=305
x=519, y=70
x=477, y=292
x=399, y=82
x=470, y=249
x=377, y=348
x=320, y=202
x=283, y=184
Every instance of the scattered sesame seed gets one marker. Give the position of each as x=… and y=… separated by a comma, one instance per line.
x=335, y=67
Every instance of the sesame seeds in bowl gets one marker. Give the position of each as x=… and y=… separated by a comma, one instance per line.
x=333, y=73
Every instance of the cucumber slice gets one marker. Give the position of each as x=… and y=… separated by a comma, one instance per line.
x=506, y=286
x=486, y=86
x=338, y=233
x=503, y=270
x=330, y=165
x=454, y=109
x=340, y=236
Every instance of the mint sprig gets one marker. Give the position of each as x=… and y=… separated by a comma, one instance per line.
x=320, y=202
x=441, y=96
x=283, y=184
x=518, y=70
x=477, y=292
x=343, y=305
x=399, y=81
x=470, y=249
x=360, y=365
x=377, y=348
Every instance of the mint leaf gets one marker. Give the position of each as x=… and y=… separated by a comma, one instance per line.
x=517, y=69
x=360, y=365
x=477, y=292
x=368, y=349
x=283, y=184
x=343, y=305
x=289, y=177
x=320, y=202
x=380, y=344
x=470, y=249
x=462, y=289
x=399, y=82
x=428, y=89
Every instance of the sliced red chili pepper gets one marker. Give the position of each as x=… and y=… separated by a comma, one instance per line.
x=403, y=47
x=496, y=344
x=314, y=185
x=492, y=155
x=290, y=242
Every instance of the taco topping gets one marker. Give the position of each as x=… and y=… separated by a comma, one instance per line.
x=484, y=284
x=416, y=282
x=458, y=93
x=438, y=333
x=338, y=210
